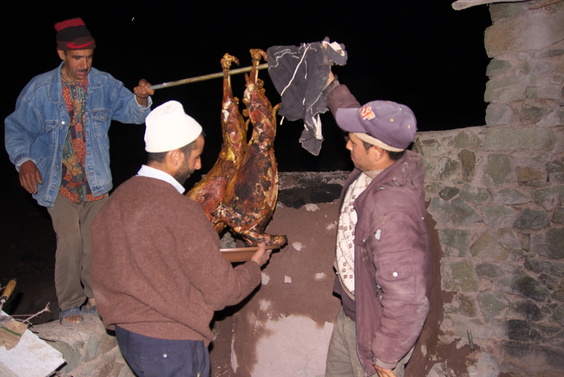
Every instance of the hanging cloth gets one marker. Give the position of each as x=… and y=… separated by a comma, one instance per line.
x=299, y=74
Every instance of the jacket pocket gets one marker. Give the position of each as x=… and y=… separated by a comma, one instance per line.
x=100, y=120
x=396, y=277
x=365, y=245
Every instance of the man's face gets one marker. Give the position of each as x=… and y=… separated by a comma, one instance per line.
x=77, y=63
x=360, y=156
x=192, y=162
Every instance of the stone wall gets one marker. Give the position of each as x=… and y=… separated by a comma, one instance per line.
x=497, y=195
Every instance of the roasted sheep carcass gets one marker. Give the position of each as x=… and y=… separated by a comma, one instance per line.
x=210, y=190
x=251, y=196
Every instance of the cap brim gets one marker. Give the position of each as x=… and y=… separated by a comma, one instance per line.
x=377, y=142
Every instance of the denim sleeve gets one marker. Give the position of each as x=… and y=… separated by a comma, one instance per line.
x=21, y=129
x=125, y=108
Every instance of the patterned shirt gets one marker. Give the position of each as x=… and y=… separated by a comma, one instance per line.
x=74, y=183
x=344, y=261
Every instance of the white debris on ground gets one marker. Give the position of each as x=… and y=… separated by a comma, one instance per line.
x=311, y=207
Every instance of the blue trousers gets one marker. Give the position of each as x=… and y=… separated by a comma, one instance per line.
x=151, y=357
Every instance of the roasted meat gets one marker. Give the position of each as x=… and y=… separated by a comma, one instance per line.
x=210, y=190
x=251, y=196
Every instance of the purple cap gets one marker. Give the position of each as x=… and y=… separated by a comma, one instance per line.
x=386, y=124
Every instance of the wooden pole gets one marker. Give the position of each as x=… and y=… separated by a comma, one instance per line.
x=205, y=77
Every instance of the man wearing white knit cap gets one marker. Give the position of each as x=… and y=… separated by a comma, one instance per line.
x=158, y=272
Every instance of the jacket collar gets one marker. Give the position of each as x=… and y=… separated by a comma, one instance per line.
x=404, y=171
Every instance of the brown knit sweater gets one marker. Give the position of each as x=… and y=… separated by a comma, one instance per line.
x=157, y=268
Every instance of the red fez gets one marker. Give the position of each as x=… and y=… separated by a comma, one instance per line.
x=73, y=35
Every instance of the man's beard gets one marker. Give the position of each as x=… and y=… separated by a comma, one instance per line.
x=182, y=175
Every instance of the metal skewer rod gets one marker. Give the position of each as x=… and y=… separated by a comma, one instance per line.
x=206, y=77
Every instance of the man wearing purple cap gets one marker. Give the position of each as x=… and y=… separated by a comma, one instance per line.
x=57, y=138
x=382, y=252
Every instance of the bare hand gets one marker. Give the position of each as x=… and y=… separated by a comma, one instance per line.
x=30, y=176
x=384, y=372
x=330, y=79
x=261, y=256
x=142, y=92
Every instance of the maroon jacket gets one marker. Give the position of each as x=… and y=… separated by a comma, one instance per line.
x=392, y=254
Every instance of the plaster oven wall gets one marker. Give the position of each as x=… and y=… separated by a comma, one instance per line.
x=284, y=328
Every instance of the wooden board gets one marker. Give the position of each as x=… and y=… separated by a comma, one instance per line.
x=31, y=357
x=241, y=254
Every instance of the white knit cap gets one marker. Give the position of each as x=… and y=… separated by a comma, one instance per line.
x=169, y=128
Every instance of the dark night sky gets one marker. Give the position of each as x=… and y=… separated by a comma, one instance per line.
x=420, y=53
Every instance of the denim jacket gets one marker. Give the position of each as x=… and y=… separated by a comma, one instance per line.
x=38, y=127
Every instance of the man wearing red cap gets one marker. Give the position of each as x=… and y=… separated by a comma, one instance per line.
x=57, y=138
x=382, y=250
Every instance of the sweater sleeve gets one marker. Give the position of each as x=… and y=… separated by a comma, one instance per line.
x=219, y=283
